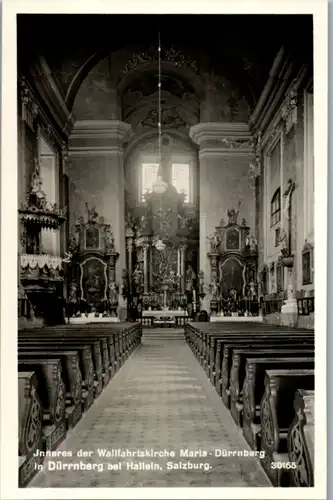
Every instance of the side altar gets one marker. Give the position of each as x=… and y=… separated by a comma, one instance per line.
x=93, y=291
x=234, y=260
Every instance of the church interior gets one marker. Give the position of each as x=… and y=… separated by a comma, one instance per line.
x=166, y=250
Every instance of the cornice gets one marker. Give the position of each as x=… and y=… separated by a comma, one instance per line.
x=215, y=131
x=95, y=151
x=97, y=129
x=222, y=152
x=47, y=89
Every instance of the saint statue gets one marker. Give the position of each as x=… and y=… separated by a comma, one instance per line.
x=190, y=277
x=233, y=295
x=113, y=292
x=72, y=292
x=138, y=278
x=109, y=241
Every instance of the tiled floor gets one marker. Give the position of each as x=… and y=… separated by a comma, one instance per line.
x=160, y=400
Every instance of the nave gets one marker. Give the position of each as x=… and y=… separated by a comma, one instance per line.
x=160, y=399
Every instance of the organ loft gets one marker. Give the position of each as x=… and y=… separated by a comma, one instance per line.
x=165, y=209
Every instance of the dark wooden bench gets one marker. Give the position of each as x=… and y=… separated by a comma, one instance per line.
x=237, y=372
x=277, y=416
x=71, y=374
x=301, y=436
x=89, y=350
x=251, y=333
x=254, y=387
x=29, y=426
x=225, y=349
x=52, y=393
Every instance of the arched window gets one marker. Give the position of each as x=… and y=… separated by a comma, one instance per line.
x=276, y=208
x=181, y=179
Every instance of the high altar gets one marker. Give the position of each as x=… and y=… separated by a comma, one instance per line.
x=162, y=255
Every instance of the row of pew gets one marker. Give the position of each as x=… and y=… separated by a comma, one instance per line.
x=265, y=377
x=61, y=372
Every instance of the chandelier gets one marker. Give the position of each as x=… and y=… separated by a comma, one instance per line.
x=160, y=186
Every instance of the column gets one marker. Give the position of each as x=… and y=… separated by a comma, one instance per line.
x=97, y=172
x=145, y=269
x=225, y=152
x=182, y=268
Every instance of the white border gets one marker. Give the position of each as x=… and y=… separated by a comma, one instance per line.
x=9, y=406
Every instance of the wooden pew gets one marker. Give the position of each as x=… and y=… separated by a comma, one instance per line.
x=52, y=393
x=254, y=387
x=89, y=378
x=300, y=441
x=207, y=336
x=71, y=374
x=225, y=349
x=122, y=338
x=277, y=415
x=30, y=426
x=237, y=372
x=81, y=343
x=252, y=332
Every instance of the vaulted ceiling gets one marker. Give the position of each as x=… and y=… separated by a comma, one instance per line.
x=240, y=48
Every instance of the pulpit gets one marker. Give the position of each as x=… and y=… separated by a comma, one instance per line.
x=233, y=257
x=93, y=287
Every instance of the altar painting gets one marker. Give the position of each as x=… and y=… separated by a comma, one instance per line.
x=232, y=277
x=93, y=280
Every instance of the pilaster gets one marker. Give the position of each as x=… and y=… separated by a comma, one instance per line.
x=96, y=172
x=226, y=151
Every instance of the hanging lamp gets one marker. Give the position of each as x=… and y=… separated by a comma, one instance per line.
x=159, y=186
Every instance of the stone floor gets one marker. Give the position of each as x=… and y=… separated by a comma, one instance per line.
x=160, y=400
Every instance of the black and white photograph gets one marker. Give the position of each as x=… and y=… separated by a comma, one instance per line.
x=164, y=266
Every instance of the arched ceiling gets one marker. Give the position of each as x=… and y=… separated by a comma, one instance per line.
x=240, y=48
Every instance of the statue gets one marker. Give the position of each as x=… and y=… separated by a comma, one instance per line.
x=113, y=293
x=138, y=278
x=190, y=277
x=284, y=243
x=215, y=288
x=251, y=243
x=233, y=295
x=92, y=214
x=109, y=241
x=287, y=198
x=215, y=242
x=72, y=298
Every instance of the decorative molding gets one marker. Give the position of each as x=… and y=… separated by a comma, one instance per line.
x=108, y=129
x=216, y=131
x=95, y=151
x=213, y=152
x=176, y=56
x=50, y=95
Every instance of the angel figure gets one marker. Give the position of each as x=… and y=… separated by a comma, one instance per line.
x=214, y=242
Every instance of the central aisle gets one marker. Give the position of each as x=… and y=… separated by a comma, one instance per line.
x=159, y=400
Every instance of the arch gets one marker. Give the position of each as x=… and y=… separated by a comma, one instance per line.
x=81, y=74
x=149, y=134
x=166, y=67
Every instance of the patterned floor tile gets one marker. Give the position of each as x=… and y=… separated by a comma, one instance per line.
x=159, y=403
